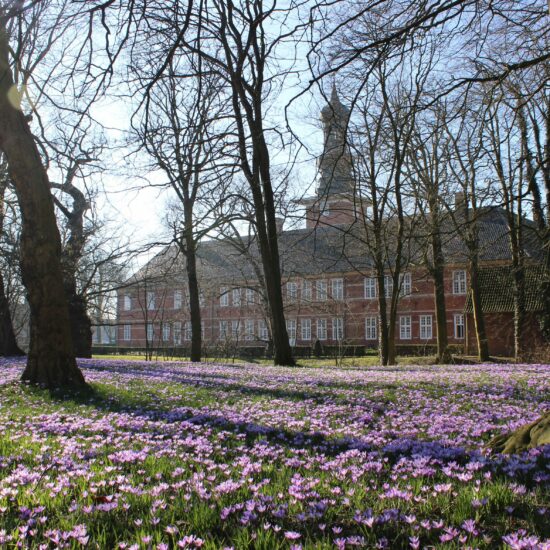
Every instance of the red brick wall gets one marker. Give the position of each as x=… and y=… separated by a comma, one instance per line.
x=353, y=309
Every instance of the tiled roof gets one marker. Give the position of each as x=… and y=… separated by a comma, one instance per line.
x=496, y=288
x=331, y=250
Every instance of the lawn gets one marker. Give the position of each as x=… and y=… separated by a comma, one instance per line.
x=174, y=455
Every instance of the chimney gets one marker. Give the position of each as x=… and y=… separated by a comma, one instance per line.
x=279, y=223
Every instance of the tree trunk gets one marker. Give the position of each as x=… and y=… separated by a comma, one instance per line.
x=479, y=320
x=269, y=248
x=443, y=353
x=386, y=350
x=8, y=342
x=81, y=325
x=51, y=361
x=194, y=299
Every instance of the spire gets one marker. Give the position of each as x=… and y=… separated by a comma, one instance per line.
x=334, y=166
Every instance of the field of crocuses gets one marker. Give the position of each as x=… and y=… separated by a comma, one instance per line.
x=175, y=455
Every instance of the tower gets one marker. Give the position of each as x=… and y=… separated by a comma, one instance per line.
x=333, y=203
x=335, y=164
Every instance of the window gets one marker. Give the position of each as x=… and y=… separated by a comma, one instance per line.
x=223, y=329
x=236, y=296
x=307, y=293
x=250, y=296
x=405, y=327
x=371, y=328
x=426, y=327
x=178, y=299
x=127, y=333
x=337, y=328
x=321, y=289
x=306, y=329
x=165, y=332
x=150, y=332
x=291, y=330
x=406, y=284
x=292, y=291
x=202, y=300
x=150, y=300
x=127, y=303
x=176, y=333
x=459, y=326
x=370, y=287
x=187, y=332
x=322, y=329
x=249, y=329
x=337, y=289
x=224, y=296
x=235, y=330
x=459, y=282
x=262, y=330
x=388, y=286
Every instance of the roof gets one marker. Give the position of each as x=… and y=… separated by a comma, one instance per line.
x=496, y=287
x=324, y=249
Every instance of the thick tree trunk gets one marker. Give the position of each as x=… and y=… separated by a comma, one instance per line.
x=81, y=325
x=51, y=361
x=479, y=319
x=269, y=250
x=194, y=299
x=8, y=342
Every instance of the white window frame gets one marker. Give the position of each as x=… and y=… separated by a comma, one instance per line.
x=250, y=296
x=307, y=291
x=127, y=333
x=178, y=299
x=405, y=327
x=187, y=331
x=291, y=331
x=127, y=302
x=388, y=286
x=337, y=289
x=459, y=322
x=150, y=300
x=176, y=333
x=371, y=328
x=321, y=290
x=236, y=297
x=263, y=333
x=292, y=291
x=202, y=299
x=426, y=327
x=370, y=288
x=321, y=329
x=406, y=284
x=249, y=329
x=224, y=296
x=459, y=282
x=150, y=332
x=224, y=328
x=337, y=329
x=165, y=332
x=305, y=329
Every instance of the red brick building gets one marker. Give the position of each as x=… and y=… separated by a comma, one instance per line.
x=329, y=286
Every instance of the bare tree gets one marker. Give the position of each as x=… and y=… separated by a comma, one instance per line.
x=237, y=39
x=51, y=359
x=427, y=171
x=8, y=341
x=185, y=132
